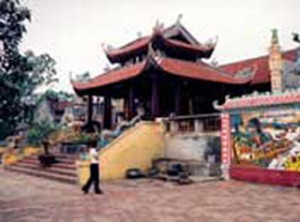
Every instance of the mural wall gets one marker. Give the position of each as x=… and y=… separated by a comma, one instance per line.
x=267, y=139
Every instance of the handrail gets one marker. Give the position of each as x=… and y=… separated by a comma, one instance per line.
x=197, y=116
x=193, y=123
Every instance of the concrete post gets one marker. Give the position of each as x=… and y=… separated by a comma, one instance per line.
x=226, y=144
x=198, y=126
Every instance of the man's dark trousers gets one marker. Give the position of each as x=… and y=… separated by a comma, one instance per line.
x=94, y=178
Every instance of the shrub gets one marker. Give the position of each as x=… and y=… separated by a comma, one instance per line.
x=40, y=131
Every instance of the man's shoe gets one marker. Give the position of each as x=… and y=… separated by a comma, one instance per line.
x=84, y=191
x=99, y=192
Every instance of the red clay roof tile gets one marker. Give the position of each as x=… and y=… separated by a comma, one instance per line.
x=111, y=77
x=262, y=74
x=199, y=71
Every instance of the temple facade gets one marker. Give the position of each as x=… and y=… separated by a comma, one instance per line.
x=165, y=73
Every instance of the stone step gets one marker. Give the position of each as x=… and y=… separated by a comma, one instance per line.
x=66, y=156
x=65, y=160
x=205, y=179
x=43, y=174
x=204, y=170
x=53, y=169
x=60, y=164
x=61, y=156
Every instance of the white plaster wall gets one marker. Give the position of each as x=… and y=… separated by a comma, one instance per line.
x=188, y=147
x=43, y=114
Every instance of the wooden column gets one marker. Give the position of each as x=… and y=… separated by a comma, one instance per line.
x=126, y=108
x=90, y=109
x=107, y=112
x=177, y=99
x=131, y=102
x=155, y=109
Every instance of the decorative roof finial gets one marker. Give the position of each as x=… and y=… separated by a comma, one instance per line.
x=274, y=36
x=71, y=77
x=103, y=46
x=158, y=26
x=179, y=17
x=296, y=37
x=157, y=23
x=276, y=64
x=139, y=34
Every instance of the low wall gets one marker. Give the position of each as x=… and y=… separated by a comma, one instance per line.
x=260, y=138
x=259, y=175
x=135, y=148
x=192, y=147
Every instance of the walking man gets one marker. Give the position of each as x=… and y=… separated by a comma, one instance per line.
x=94, y=169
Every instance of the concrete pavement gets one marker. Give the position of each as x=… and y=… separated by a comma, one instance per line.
x=26, y=198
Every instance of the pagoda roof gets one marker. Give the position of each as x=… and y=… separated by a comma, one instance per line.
x=227, y=74
x=200, y=71
x=110, y=77
x=171, y=66
x=262, y=74
x=141, y=44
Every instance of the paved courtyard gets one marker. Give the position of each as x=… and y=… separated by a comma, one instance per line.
x=27, y=198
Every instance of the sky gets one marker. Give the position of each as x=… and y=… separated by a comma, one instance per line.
x=72, y=31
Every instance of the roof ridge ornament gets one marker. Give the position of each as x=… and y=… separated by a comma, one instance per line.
x=179, y=17
x=246, y=72
x=217, y=105
x=296, y=38
x=139, y=34
x=276, y=64
x=71, y=77
x=274, y=39
x=159, y=27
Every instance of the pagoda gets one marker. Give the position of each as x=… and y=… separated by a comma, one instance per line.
x=165, y=73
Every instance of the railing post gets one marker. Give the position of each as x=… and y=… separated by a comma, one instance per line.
x=173, y=126
x=198, y=126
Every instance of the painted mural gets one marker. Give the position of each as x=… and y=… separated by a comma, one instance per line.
x=268, y=139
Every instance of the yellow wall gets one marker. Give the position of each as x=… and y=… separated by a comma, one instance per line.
x=83, y=171
x=136, y=148
x=10, y=156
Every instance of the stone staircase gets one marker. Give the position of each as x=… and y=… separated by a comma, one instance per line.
x=63, y=171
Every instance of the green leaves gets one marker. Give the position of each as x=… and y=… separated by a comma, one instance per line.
x=20, y=74
x=39, y=132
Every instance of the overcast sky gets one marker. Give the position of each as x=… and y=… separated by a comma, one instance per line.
x=72, y=31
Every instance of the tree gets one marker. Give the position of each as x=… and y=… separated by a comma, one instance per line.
x=20, y=74
x=60, y=96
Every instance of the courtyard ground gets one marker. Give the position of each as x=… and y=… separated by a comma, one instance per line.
x=27, y=198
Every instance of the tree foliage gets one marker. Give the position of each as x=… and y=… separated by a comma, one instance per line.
x=20, y=73
x=53, y=95
x=39, y=131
